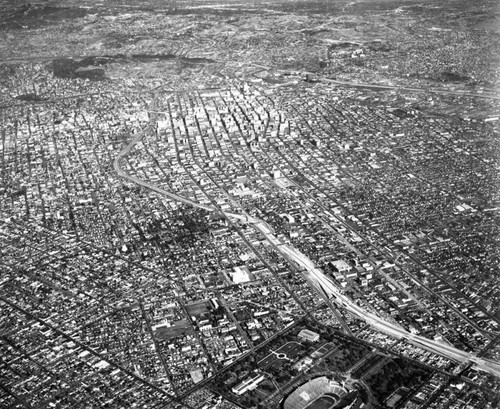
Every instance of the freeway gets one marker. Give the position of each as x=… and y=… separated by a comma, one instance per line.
x=490, y=94
x=320, y=282
x=125, y=151
x=137, y=181
x=412, y=89
x=373, y=320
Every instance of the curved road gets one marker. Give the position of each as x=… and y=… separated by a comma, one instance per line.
x=323, y=283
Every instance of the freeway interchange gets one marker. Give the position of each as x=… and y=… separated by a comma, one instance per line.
x=321, y=283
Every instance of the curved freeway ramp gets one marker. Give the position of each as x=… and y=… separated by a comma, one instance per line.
x=322, y=281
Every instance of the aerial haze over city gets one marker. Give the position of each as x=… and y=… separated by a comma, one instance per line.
x=250, y=204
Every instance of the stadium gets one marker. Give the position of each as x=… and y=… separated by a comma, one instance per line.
x=322, y=393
